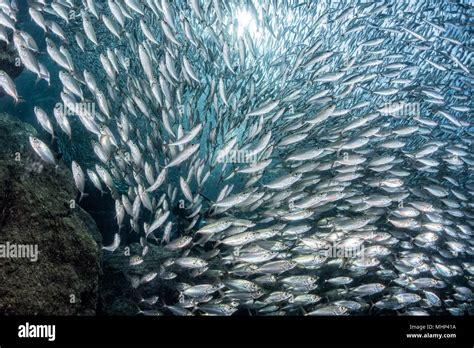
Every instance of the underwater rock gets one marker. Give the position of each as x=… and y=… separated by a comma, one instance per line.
x=37, y=208
x=117, y=295
x=8, y=61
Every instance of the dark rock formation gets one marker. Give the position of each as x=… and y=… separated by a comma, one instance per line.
x=117, y=296
x=35, y=208
x=8, y=61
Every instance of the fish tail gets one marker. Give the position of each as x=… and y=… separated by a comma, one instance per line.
x=83, y=194
x=19, y=100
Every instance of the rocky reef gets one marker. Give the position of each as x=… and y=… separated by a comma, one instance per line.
x=117, y=294
x=9, y=60
x=37, y=207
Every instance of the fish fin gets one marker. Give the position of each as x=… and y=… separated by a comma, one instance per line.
x=139, y=309
x=83, y=194
x=19, y=100
x=205, y=197
x=371, y=307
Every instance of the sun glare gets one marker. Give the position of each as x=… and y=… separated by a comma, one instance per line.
x=246, y=22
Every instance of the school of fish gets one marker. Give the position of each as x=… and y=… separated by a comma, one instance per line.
x=292, y=157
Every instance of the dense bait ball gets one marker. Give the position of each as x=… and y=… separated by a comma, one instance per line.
x=271, y=157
